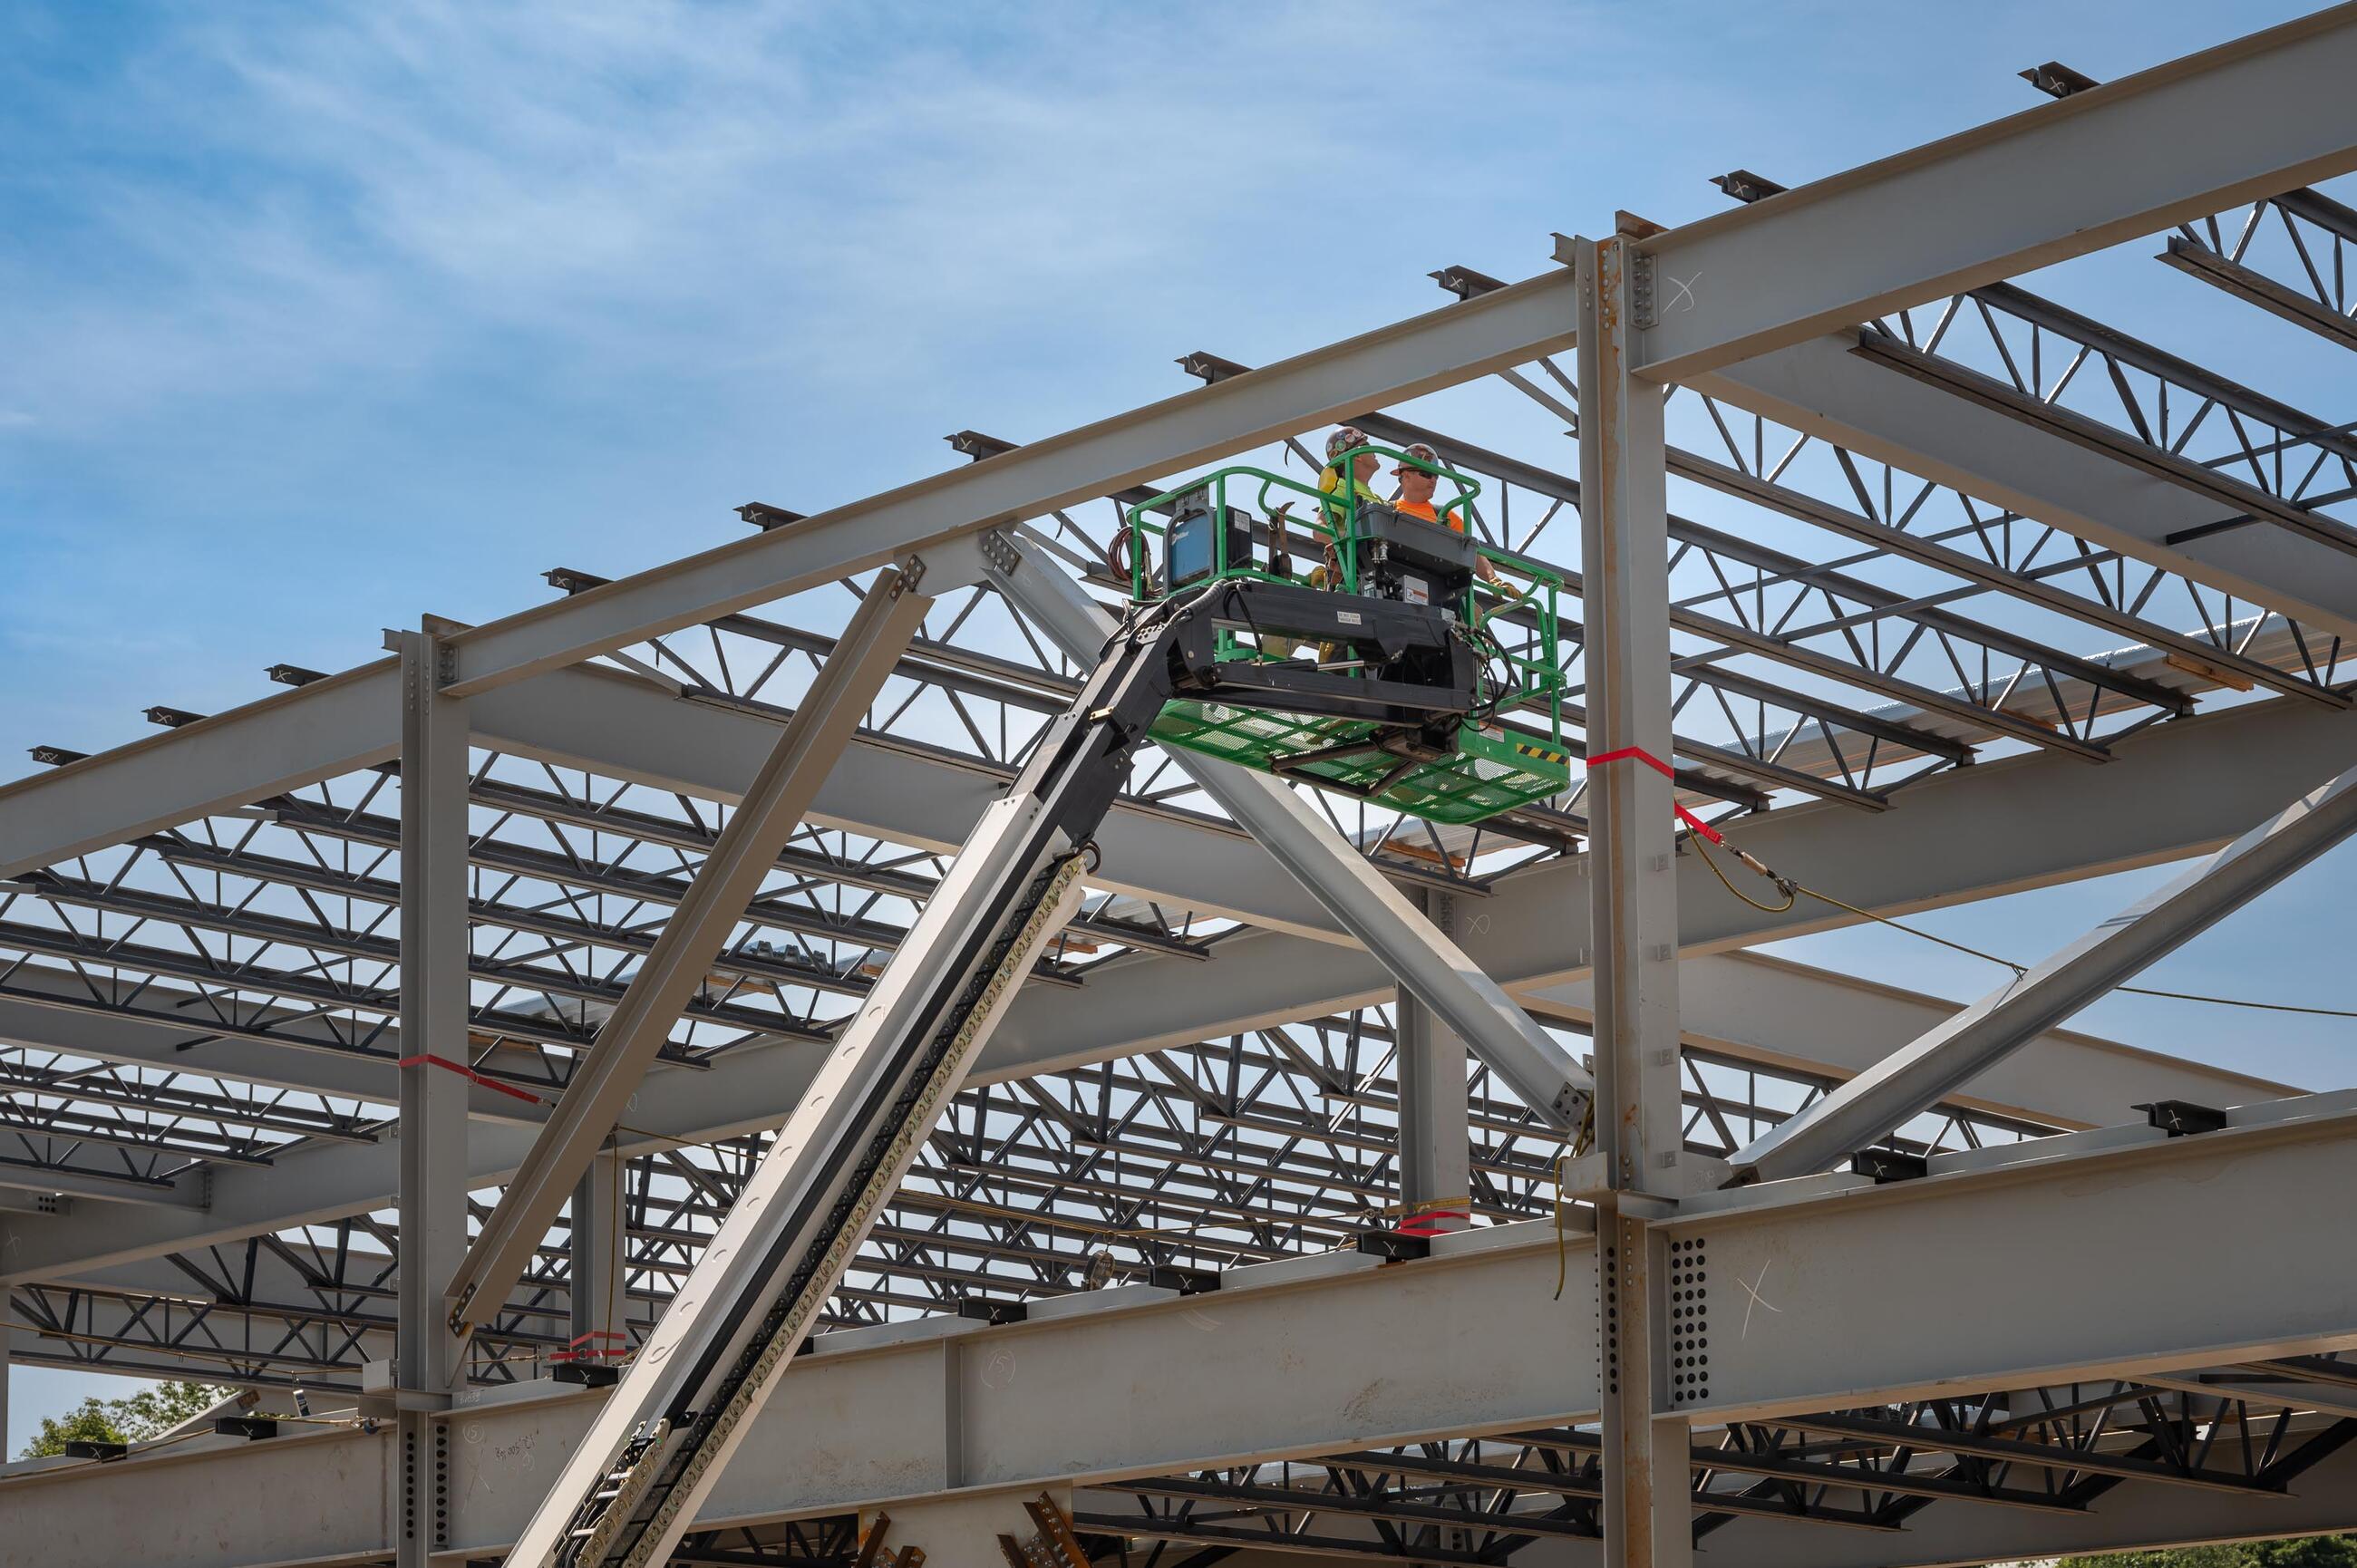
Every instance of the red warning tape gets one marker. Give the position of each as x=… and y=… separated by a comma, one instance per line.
x=1428, y=1223
x=463, y=1070
x=1641, y=754
x=575, y=1350
x=1663, y=769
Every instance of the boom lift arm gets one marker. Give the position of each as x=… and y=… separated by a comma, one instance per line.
x=634, y=1485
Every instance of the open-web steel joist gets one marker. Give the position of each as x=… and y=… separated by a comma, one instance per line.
x=1964, y=584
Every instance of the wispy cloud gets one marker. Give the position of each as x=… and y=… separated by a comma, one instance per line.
x=389, y=191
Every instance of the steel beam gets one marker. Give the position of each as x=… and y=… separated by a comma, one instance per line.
x=296, y=738
x=1787, y=1018
x=2035, y=587
x=681, y=961
x=102, y=1187
x=1822, y=388
x=911, y=1411
x=892, y=1398
x=2254, y=286
x=327, y=1490
x=2232, y=497
x=1632, y=908
x=53, y=1010
x=2095, y=1208
x=2177, y=142
x=1357, y=895
x=1392, y=363
x=1332, y=1353
x=1924, y=1071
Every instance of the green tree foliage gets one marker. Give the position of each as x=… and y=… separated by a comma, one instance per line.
x=147, y=1413
x=2310, y=1551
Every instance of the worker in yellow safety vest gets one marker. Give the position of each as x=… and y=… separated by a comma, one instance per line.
x=1328, y=573
x=1362, y=466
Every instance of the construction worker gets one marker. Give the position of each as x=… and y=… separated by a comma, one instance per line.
x=1414, y=499
x=1362, y=466
x=1336, y=521
x=1325, y=575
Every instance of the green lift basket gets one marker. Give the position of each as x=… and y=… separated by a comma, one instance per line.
x=1493, y=766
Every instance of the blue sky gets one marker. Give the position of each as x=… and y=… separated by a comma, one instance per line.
x=313, y=317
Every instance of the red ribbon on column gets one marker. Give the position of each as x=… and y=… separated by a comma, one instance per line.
x=1640, y=754
x=471, y=1076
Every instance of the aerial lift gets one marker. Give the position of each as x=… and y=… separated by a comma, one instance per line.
x=1380, y=675
x=1468, y=763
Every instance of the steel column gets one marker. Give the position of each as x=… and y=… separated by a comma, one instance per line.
x=1434, y=1144
x=1910, y=1080
x=746, y=853
x=1632, y=898
x=600, y=1257
x=432, y=1196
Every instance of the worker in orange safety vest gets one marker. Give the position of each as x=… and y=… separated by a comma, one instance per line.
x=1414, y=499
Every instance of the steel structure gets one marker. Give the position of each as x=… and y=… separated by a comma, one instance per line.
x=1922, y=584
